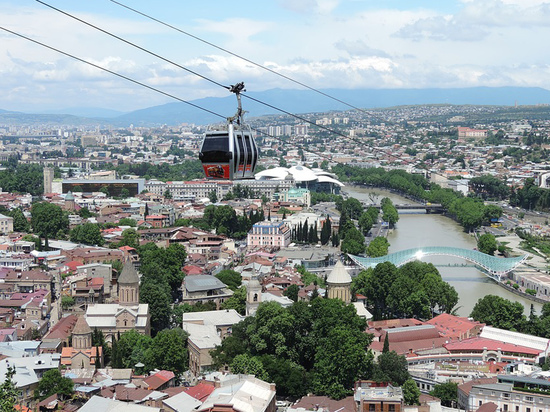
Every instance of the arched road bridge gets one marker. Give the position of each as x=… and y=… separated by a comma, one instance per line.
x=492, y=266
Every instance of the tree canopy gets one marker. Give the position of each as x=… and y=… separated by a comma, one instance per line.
x=47, y=220
x=413, y=290
x=52, y=382
x=322, y=344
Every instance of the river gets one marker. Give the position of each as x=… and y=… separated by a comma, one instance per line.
x=418, y=230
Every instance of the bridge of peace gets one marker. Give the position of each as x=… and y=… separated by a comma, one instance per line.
x=494, y=267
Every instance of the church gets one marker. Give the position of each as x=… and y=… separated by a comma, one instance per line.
x=82, y=354
x=127, y=314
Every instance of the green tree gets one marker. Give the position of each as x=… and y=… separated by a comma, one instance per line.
x=85, y=213
x=411, y=393
x=67, y=301
x=249, y=365
x=157, y=296
x=499, y=312
x=124, y=193
x=20, y=222
x=8, y=392
x=130, y=237
x=379, y=246
x=213, y=196
x=365, y=222
x=386, y=347
x=353, y=242
x=231, y=278
x=447, y=392
x=88, y=233
x=168, y=351
x=48, y=220
x=487, y=244
x=126, y=221
x=391, y=367
x=237, y=301
x=340, y=361
x=389, y=212
x=53, y=383
x=292, y=292
x=130, y=349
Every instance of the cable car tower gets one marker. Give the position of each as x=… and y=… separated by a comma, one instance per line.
x=229, y=151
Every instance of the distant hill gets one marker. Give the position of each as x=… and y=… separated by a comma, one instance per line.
x=292, y=101
x=91, y=112
x=307, y=101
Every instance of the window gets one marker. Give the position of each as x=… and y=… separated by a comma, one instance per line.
x=527, y=409
x=372, y=408
x=505, y=408
x=529, y=399
x=391, y=408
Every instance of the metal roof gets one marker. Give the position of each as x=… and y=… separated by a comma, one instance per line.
x=492, y=265
x=196, y=283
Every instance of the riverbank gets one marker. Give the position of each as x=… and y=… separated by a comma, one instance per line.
x=424, y=230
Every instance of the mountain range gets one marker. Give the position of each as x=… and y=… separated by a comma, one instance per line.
x=290, y=101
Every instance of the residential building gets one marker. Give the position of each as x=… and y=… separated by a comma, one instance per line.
x=206, y=331
x=242, y=392
x=266, y=233
x=6, y=224
x=371, y=396
x=510, y=393
x=204, y=288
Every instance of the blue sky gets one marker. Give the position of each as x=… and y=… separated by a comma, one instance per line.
x=355, y=44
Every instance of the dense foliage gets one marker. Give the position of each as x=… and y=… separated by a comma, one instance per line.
x=413, y=290
x=487, y=243
x=8, y=391
x=531, y=197
x=22, y=178
x=489, y=187
x=53, y=383
x=319, y=347
x=447, y=392
x=161, y=281
x=167, y=350
x=87, y=233
x=48, y=220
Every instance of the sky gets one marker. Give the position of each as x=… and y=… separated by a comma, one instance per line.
x=350, y=44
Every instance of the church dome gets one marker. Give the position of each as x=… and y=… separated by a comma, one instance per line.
x=129, y=275
x=339, y=275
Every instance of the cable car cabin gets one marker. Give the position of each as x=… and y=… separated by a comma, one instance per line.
x=229, y=153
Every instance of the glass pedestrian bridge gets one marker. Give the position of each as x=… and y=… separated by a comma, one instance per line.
x=495, y=267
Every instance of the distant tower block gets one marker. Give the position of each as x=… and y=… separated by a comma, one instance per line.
x=48, y=179
x=339, y=283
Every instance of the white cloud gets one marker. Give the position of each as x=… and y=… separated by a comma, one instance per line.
x=310, y=6
x=477, y=19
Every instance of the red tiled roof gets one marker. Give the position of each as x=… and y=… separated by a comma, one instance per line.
x=158, y=379
x=453, y=326
x=488, y=407
x=63, y=328
x=405, y=347
x=201, y=391
x=479, y=344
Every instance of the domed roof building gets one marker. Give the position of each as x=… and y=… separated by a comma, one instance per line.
x=339, y=283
